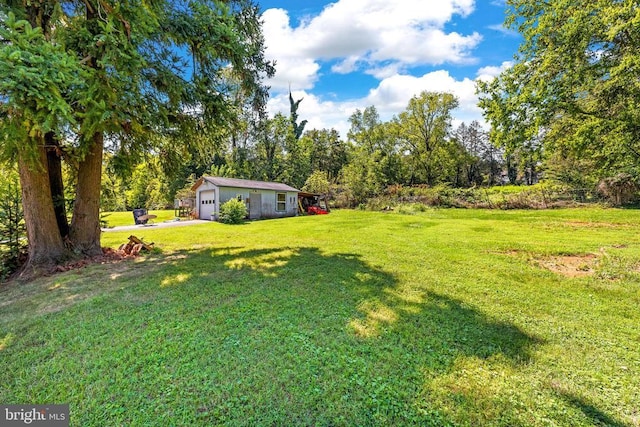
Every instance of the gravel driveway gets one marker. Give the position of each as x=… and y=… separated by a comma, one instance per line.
x=156, y=225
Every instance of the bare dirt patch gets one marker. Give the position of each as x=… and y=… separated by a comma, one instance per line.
x=569, y=265
x=573, y=265
x=589, y=224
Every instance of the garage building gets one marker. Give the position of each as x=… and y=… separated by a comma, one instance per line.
x=263, y=199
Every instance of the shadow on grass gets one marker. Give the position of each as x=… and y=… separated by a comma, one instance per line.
x=359, y=345
x=593, y=414
x=260, y=337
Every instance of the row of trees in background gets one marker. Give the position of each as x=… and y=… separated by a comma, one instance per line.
x=566, y=110
x=417, y=147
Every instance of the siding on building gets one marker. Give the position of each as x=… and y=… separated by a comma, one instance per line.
x=225, y=189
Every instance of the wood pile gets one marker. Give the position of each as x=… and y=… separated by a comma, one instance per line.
x=109, y=255
x=134, y=246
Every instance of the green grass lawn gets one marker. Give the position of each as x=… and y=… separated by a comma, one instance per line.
x=444, y=317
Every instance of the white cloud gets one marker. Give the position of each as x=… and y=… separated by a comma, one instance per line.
x=346, y=66
x=490, y=72
x=504, y=30
x=383, y=39
x=390, y=98
x=393, y=94
x=385, y=71
x=292, y=68
x=320, y=114
x=363, y=34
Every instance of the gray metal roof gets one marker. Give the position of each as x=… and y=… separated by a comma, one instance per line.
x=246, y=183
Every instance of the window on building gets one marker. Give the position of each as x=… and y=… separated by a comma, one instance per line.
x=281, y=202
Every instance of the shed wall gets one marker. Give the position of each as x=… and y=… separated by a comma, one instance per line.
x=200, y=208
x=269, y=203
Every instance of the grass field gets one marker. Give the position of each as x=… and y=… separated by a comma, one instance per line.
x=444, y=317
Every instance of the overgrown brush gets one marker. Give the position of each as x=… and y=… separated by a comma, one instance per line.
x=619, y=190
x=539, y=196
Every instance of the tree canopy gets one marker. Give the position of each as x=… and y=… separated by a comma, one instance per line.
x=574, y=84
x=424, y=128
x=132, y=77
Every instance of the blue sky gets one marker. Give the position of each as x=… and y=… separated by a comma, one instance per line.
x=349, y=54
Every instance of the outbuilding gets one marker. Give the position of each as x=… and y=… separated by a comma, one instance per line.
x=263, y=199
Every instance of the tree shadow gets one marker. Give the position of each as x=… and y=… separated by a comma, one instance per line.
x=291, y=335
x=596, y=416
x=352, y=340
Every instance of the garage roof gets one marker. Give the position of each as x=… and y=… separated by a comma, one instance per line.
x=244, y=183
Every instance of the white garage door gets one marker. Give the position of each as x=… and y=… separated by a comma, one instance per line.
x=207, y=204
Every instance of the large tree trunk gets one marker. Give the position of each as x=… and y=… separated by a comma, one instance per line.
x=85, y=224
x=56, y=183
x=46, y=247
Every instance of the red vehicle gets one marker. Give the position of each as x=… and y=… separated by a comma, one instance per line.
x=316, y=210
x=312, y=204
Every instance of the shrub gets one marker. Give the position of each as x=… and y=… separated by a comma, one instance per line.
x=318, y=182
x=12, y=227
x=619, y=190
x=233, y=212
